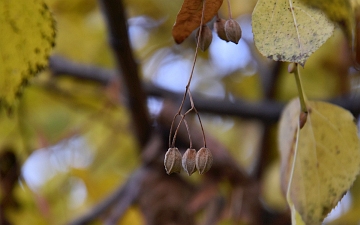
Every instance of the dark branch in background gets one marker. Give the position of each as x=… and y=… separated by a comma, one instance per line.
x=114, y=14
x=60, y=66
x=125, y=194
x=266, y=111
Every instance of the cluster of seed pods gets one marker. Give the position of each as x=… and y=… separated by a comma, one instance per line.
x=191, y=160
x=227, y=30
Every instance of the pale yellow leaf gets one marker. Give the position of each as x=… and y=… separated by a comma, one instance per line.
x=339, y=11
x=295, y=216
x=27, y=36
x=289, y=30
x=327, y=158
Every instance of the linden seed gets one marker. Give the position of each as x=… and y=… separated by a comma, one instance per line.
x=205, y=38
x=172, y=161
x=233, y=31
x=219, y=27
x=188, y=161
x=204, y=160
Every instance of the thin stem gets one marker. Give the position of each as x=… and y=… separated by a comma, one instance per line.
x=171, y=128
x=229, y=8
x=194, y=62
x=178, y=126
x=188, y=131
x=187, y=88
x=302, y=96
x=198, y=115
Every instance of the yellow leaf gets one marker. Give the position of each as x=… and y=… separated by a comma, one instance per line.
x=189, y=17
x=27, y=36
x=339, y=11
x=326, y=152
x=289, y=30
x=295, y=216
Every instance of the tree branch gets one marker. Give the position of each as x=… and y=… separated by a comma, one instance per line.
x=114, y=14
x=60, y=66
x=266, y=111
x=125, y=194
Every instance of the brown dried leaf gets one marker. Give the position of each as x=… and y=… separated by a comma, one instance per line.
x=189, y=17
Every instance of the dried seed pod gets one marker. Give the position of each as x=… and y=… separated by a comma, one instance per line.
x=188, y=161
x=172, y=161
x=204, y=160
x=205, y=38
x=219, y=27
x=233, y=31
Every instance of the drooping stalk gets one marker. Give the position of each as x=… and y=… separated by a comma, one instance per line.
x=301, y=93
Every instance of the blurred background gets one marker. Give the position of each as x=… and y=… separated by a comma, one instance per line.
x=68, y=153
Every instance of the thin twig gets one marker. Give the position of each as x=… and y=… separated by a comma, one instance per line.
x=198, y=115
x=187, y=88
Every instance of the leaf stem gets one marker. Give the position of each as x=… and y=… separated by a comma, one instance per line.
x=302, y=96
x=229, y=8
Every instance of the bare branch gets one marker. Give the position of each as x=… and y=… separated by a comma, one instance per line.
x=266, y=111
x=125, y=194
x=60, y=66
x=114, y=13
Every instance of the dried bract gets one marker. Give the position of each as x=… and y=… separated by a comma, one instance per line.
x=219, y=27
x=204, y=160
x=188, y=161
x=205, y=37
x=292, y=67
x=172, y=161
x=233, y=31
x=302, y=119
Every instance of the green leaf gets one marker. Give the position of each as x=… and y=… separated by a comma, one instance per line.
x=289, y=30
x=326, y=152
x=28, y=34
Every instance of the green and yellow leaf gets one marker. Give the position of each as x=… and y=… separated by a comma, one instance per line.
x=325, y=154
x=289, y=30
x=27, y=37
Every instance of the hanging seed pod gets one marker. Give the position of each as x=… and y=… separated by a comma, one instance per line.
x=233, y=31
x=205, y=38
x=172, y=161
x=188, y=161
x=204, y=160
x=219, y=27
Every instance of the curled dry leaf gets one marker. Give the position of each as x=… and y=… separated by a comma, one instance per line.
x=323, y=158
x=189, y=17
